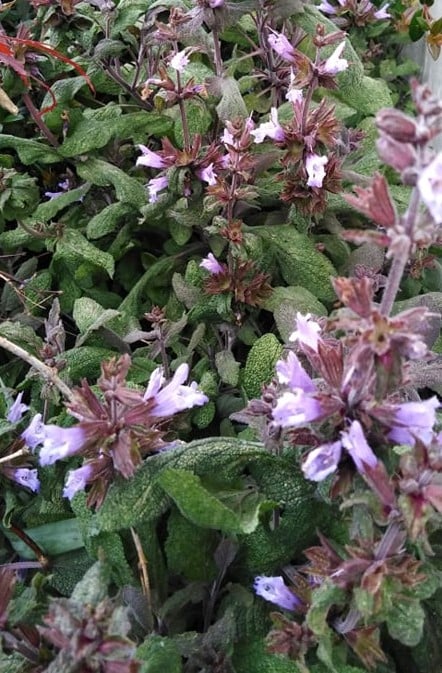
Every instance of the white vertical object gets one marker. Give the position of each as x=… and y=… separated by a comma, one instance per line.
x=431, y=70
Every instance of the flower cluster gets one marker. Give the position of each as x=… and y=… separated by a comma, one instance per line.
x=115, y=430
x=240, y=279
x=311, y=163
x=354, y=12
x=15, y=464
x=355, y=397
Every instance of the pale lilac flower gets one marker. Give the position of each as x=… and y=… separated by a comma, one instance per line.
x=156, y=185
x=211, y=264
x=207, y=174
x=17, y=410
x=314, y=165
x=272, y=129
x=64, y=187
x=414, y=420
x=26, y=477
x=296, y=408
x=382, y=13
x=307, y=331
x=291, y=372
x=61, y=443
x=294, y=95
x=274, y=590
x=155, y=382
x=322, y=462
x=356, y=444
x=335, y=63
x=77, y=481
x=34, y=433
x=213, y=4
x=150, y=159
x=326, y=7
x=281, y=45
x=430, y=187
x=227, y=138
x=179, y=61
x=175, y=396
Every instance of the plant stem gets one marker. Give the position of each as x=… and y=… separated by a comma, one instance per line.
x=47, y=373
x=36, y=116
x=401, y=256
x=217, y=53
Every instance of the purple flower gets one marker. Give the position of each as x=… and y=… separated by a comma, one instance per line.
x=326, y=7
x=77, y=480
x=307, y=331
x=430, y=187
x=356, y=444
x=294, y=95
x=150, y=159
x=314, y=165
x=61, y=443
x=296, y=408
x=227, y=138
x=179, y=61
x=414, y=419
x=272, y=129
x=274, y=590
x=291, y=372
x=382, y=13
x=175, y=396
x=64, y=187
x=26, y=477
x=334, y=63
x=213, y=4
x=207, y=174
x=17, y=410
x=322, y=461
x=34, y=433
x=211, y=264
x=281, y=45
x=156, y=185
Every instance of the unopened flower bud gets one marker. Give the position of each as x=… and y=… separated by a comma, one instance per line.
x=399, y=155
x=398, y=125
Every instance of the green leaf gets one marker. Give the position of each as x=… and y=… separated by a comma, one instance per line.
x=227, y=367
x=73, y=249
x=142, y=498
x=85, y=361
x=231, y=104
x=90, y=316
x=103, y=174
x=198, y=505
x=405, y=622
x=107, y=220
x=160, y=655
x=53, y=538
x=22, y=335
x=251, y=656
x=190, y=549
x=47, y=210
x=260, y=365
x=92, y=589
x=30, y=151
x=323, y=598
x=299, y=261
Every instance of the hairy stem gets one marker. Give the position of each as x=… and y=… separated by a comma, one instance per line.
x=401, y=256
